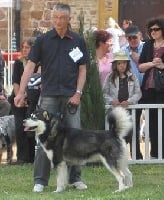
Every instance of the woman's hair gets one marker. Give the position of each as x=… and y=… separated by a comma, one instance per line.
x=127, y=21
x=114, y=74
x=157, y=21
x=30, y=42
x=101, y=36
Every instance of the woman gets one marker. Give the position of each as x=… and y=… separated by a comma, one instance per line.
x=25, y=144
x=126, y=23
x=103, y=49
x=150, y=60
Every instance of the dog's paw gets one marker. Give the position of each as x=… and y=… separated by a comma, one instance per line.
x=59, y=189
x=121, y=189
x=129, y=184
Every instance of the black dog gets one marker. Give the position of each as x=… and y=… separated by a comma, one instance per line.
x=68, y=146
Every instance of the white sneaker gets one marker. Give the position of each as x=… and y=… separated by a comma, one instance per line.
x=38, y=188
x=79, y=185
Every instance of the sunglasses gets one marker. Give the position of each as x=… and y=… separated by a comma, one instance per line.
x=154, y=29
x=134, y=37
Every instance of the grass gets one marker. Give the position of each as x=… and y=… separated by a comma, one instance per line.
x=16, y=183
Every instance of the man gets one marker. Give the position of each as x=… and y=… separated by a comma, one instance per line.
x=63, y=56
x=133, y=49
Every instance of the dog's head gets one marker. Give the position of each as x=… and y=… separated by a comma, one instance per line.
x=40, y=121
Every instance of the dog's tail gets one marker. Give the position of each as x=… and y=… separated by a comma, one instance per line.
x=120, y=121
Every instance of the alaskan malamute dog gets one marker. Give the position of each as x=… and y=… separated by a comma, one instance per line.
x=69, y=146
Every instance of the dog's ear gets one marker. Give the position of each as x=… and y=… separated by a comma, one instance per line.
x=46, y=115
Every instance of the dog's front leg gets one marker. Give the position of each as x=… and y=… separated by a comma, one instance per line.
x=61, y=176
x=120, y=178
x=128, y=177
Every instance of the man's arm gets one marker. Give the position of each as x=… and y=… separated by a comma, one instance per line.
x=20, y=96
x=75, y=99
x=82, y=77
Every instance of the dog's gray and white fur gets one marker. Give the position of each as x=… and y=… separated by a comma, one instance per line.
x=7, y=136
x=68, y=146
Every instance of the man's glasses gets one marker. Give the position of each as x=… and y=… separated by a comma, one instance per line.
x=134, y=37
x=60, y=17
x=154, y=29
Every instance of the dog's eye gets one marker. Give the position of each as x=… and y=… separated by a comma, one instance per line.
x=33, y=116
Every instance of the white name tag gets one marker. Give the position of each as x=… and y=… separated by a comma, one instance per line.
x=76, y=54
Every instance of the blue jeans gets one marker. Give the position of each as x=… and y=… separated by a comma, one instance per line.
x=42, y=164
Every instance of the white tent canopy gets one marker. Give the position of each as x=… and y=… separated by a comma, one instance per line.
x=5, y=3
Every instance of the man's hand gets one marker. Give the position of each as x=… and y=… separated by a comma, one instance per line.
x=19, y=100
x=75, y=99
x=135, y=56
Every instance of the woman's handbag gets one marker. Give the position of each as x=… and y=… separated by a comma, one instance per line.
x=158, y=75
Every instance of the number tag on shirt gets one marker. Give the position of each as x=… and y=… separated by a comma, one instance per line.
x=76, y=54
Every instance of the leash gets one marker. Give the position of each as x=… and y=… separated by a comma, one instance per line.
x=72, y=109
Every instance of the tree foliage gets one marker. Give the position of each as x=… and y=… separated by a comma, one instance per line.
x=92, y=105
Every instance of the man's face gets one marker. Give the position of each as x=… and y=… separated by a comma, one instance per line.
x=134, y=40
x=61, y=19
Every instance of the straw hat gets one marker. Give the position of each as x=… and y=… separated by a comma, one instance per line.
x=120, y=56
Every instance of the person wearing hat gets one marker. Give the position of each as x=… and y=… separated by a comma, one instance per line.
x=121, y=87
x=133, y=49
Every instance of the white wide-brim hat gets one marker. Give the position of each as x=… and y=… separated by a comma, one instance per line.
x=121, y=55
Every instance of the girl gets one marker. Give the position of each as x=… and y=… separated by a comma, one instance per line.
x=121, y=87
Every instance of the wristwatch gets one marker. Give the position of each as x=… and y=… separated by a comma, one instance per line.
x=79, y=92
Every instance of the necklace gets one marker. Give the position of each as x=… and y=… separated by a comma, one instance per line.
x=159, y=44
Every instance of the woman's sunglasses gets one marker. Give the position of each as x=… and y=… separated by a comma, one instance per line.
x=154, y=29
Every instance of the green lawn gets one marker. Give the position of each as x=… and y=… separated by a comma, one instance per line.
x=16, y=183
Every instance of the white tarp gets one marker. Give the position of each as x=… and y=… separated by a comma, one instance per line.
x=5, y=3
